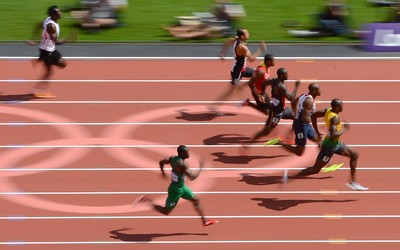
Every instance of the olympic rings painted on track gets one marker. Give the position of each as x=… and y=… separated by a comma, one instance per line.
x=112, y=135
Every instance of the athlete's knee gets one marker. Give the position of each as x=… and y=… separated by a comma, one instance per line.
x=196, y=202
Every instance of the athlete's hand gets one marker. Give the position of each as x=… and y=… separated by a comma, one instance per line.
x=346, y=125
x=297, y=84
x=262, y=45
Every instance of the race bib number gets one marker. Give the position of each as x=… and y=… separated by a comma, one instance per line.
x=174, y=177
x=275, y=120
x=300, y=135
x=325, y=159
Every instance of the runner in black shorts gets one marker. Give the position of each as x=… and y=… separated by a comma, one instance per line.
x=239, y=69
x=278, y=110
x=47, y=50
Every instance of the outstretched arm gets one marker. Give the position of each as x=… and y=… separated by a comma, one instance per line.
x=192, y=175
x=317, y=114
x=162, y=163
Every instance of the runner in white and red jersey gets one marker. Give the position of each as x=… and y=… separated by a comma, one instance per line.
x=48, y=54
x=304, y=117
x=242, y=54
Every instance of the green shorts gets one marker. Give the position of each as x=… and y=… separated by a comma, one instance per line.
x=175, y=193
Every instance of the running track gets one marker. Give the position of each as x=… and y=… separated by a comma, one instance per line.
x=72, y=166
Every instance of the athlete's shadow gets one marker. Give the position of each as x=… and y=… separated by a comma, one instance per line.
x=117, y=234
x=208, y=116
x=16, y=98
x=226, y=139
x=280, y=205
x=240, y=159
x=270, y=179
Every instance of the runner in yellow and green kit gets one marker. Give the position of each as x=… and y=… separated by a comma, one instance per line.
x=332, y=145
x=177, y=189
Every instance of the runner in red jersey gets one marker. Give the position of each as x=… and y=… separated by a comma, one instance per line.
x=257, y=85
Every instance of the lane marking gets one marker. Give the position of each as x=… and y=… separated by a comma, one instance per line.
x=128, y=58
x=168, y=169
x=197, y=192
x=176, y=102
x=176, y=145
x=333, y=216
x=337, y=241
x=183, y=81
x=166, y=123
x=186, y=217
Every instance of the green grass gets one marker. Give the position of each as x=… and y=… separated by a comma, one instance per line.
x=143, y=18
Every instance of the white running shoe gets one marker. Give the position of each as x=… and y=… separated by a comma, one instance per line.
x=285, y=177
x=356, y=186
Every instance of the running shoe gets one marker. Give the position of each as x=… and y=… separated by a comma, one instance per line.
x=356, y=186
x=332, y=168
x=272, y=141
x=285, y=177
x=140, y=199
x=243, y=103
x=210, y=222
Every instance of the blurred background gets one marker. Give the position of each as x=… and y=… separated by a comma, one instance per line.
x=200, y=20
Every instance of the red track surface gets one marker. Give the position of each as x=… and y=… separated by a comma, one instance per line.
x=166, y=232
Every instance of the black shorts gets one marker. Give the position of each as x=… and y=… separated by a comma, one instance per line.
x=238, y=73
x=50, y=57
x=276, y=115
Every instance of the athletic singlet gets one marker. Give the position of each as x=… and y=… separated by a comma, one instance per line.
x=47, y=43
x=258, y=84
x=329, y=114
x=239, y=61
x=278, y=101
x=302, y=98
x=177, y=177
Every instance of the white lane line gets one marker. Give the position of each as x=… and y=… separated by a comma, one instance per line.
x=165, y=123
x=176, y=102
x=185, y=217
x=129, y=58
x=203, y=192
x=168, y=169
x=182, y=81
x=188, y=145
x=187, y=242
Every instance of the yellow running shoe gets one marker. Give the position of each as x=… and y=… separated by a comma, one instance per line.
x=332, y=168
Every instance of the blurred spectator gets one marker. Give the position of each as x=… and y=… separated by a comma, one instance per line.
x=331, y=21
x=96, y=14
x=393, y=15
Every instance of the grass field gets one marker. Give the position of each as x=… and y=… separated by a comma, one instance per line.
x=143, y=18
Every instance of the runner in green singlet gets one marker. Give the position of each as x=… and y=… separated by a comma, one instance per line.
x=177, y=189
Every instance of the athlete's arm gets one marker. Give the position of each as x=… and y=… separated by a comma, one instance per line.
x=256, y=76
x=243, y=50
x=192, y=174
x=290, y=96
x=307, y=109
x=228, y=42
x=333, y=130
x=314, y=117
x=163, y=162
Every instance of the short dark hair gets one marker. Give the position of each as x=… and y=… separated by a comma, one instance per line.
x=52, y=10
x=240, y=32
x=281, y=71
x=268, y=57
x=336, y=102
x=182, y=149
